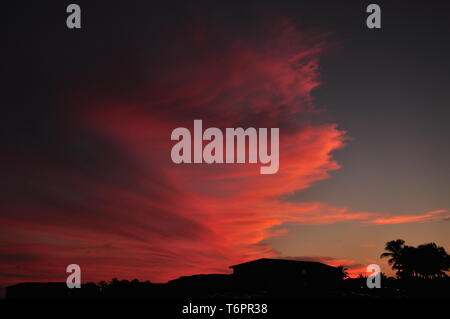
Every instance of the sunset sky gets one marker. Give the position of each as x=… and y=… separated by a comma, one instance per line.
x=87, y=116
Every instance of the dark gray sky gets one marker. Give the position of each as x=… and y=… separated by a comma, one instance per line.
x=389, y=89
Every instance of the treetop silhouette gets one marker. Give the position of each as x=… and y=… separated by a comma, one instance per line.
x=426, y=261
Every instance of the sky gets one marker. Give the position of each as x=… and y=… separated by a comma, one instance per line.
x=87, y=176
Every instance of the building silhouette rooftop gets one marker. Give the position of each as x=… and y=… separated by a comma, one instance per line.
x=281, y=263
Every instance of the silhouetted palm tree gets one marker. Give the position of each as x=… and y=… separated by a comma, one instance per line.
x=395, y=252
x=431, y=261
x=343, y=271
x=426, y=261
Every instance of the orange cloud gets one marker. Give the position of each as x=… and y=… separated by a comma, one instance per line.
x=400, y=219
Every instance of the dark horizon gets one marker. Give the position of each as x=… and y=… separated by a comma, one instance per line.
x=261, y=278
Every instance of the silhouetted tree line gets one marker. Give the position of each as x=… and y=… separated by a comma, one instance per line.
x=133, y=288
x=426, y=261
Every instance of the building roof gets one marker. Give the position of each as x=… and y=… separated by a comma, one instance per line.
x=282, y=262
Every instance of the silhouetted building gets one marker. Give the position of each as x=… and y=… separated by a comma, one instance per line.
x=208, y=285
x=291, y=274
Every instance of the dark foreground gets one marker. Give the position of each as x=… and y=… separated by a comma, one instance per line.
x=230, y=287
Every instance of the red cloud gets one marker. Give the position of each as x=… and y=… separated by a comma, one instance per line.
x=138, y=214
